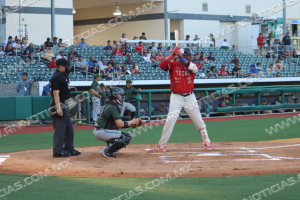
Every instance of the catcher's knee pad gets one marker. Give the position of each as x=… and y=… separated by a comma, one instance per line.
x=126, y=137
x=117, y=145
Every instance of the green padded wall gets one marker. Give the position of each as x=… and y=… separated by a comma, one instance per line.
x=23, y=107
x=40, y=104
x=7, y=108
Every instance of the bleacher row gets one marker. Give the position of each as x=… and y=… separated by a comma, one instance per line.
x=11, y=73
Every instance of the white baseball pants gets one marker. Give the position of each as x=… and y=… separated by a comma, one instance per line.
x=96, y=108
x=191, y=108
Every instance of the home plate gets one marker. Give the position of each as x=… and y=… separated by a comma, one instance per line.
x=3, y=158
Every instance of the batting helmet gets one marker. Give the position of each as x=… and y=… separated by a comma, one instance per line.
x=186, y=51
x=116, y=93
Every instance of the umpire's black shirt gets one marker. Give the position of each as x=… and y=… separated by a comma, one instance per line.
x=60, y=81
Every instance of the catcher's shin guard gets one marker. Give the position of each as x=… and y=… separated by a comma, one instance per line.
x=126, y=137
x=116, y=146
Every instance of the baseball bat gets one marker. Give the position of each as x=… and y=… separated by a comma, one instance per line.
x=176, y=37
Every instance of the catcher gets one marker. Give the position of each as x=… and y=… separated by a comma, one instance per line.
x=109, y=122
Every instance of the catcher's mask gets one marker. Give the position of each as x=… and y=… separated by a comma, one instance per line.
x=116, y=93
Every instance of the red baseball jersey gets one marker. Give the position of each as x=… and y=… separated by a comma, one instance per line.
x=182, y=79
x=223, y=72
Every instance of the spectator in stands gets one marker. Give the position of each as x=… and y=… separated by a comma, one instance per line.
x=223, y=71
x=61, y=44
x=269, y=38
x=196, y=41
x=278, y=101
x=28, y=49
x=2, y=53
x=111, y=61
x=283, y=55
x=100, y=62
x=160, y=111
x=128, y=61
x=187, y=38
x=108, y=73
x=276, y=47
x=235, y=60
x=134, y=38
x=169, y=49
x=233, y=48
x=236, y=71
x=17, y=47
x=153, y=47
x=201, y=60
x=74, y=53
x=278, y=65
x=47, y=90
x=146, y=58
x=38, y=50
x=48, y=43
x=70, y=59
x=118, y=51
x=82, y=65
x=295, y=54
x=153, y=57
x=124, y=70
x=123, y=39
x=9, y=51
x=225, y=45
x=108, y=46
x=23, y=86
x=143, y=36
x=140, y=48
x=260, y=42
x=286, y=41
x=212, y=39
x=253, y=71
x=270, y=70
x=95, y=69
x=278, y=74
x=159, y=56
x=298, y=74
x=61, y=55
x=55, y=43
x=149, y=52
x=43, y=49
x=82, y=44
x=127, y=50
x=8, y=41
x=257, y=65
x=48, y=56
x=223, y=105
x=91, y=60
x=196, y=56
x=135, y=69
x=268, y=55
x=259, y=71
x=30, y=58
x=24, y=44
x=116, y=69
x=213, y=71
x=52, y=64
x=228, y=100
x=159, y=48
x=114, y=45
x=210, y=57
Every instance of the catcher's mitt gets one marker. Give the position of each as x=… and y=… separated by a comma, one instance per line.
x=139, y=124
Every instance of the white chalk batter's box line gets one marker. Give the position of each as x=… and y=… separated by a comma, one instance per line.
x=246, y=152
x=3, y=158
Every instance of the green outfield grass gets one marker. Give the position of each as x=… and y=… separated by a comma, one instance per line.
x=217, y=188
x=251, y=130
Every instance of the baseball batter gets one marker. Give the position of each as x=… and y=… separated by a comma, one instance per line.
x=182, y=74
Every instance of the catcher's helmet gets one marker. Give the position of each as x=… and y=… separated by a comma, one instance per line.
x=116, y=93
x=186, y=51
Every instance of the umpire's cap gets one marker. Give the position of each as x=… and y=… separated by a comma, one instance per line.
x=62, y=62
x=116, y=93
x=186, y=52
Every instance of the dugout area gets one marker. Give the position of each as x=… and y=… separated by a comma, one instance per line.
x=245, y=161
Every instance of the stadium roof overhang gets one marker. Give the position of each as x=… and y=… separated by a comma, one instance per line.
x=78, y=4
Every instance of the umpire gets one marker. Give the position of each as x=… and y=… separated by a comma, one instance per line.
x=59, y=110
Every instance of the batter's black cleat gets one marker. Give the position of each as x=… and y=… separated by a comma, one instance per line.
x=107, y=155
x=61, y=154
x=75, y=152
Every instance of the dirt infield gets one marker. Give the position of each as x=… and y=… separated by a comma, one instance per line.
x=227, y=159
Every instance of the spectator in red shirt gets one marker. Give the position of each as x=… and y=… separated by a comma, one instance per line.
x=159, y=56
x=140, y=48
x=260, y=42
x=52, y=64
x=223, y=71
x=199, y=66
x=118, y=51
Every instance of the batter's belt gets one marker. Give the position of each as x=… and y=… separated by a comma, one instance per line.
x=184, y=95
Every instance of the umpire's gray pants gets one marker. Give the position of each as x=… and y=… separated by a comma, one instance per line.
x=63, y=132
x=127, y=106
x=106, y=134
